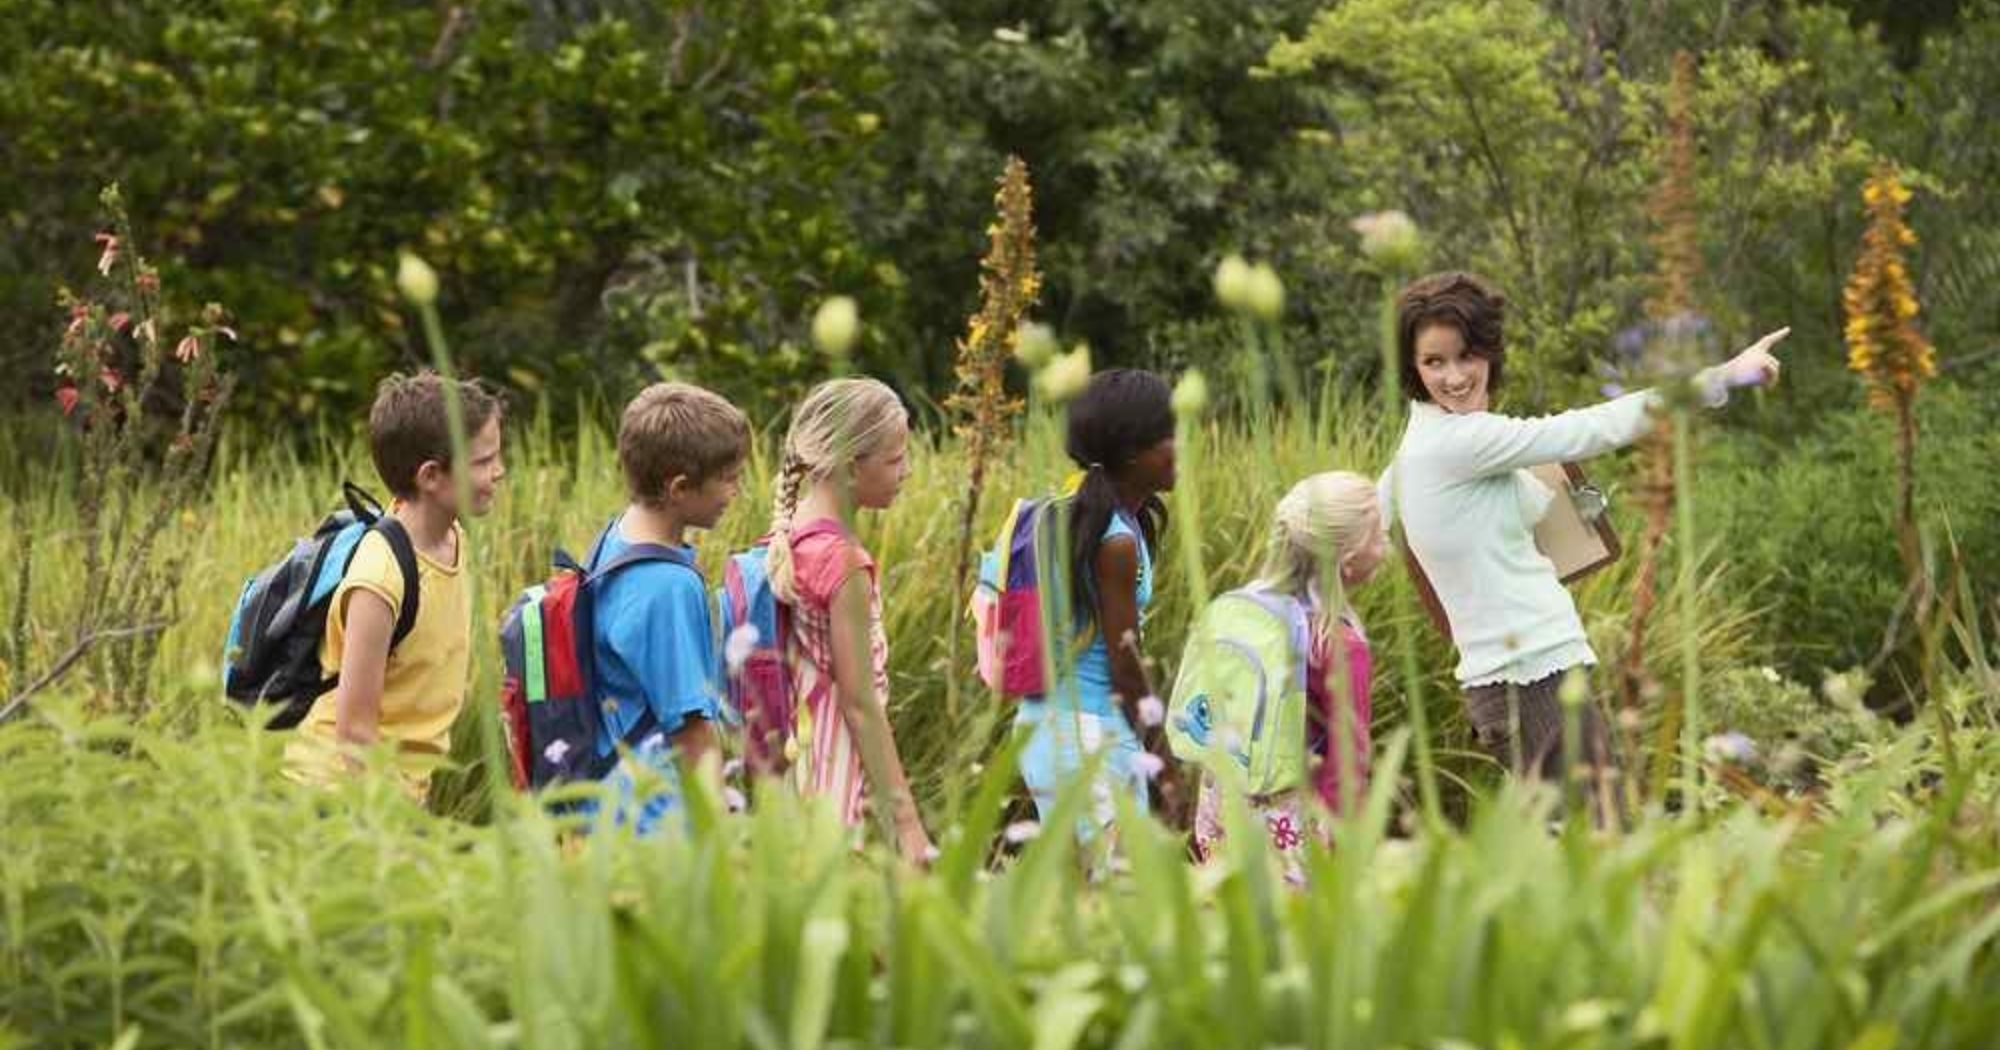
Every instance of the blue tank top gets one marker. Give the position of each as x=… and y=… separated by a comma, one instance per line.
x=1089, y=686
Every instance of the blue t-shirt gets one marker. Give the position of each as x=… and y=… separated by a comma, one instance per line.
x=1089, y=687
x=654, y=645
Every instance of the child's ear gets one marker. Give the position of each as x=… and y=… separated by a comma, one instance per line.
x=680, y=486
x=433, y=475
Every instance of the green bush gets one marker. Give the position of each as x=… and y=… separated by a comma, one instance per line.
x=1806, y=522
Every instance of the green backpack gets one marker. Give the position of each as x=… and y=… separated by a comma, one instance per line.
x=1241, y=691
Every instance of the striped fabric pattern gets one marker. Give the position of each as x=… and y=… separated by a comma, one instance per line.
x=828, y=761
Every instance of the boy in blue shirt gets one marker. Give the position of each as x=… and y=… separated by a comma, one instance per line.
x=682, y=450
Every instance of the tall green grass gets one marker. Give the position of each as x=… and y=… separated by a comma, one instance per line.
x=160, y=885
x=560, y=490
x=167, y=889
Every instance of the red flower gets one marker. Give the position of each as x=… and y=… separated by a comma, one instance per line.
x=67, y=398
x=119, y=320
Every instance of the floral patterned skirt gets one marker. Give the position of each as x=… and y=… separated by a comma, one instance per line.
x=1288, y=821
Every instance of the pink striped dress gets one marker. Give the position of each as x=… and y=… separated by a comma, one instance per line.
x=828, y=761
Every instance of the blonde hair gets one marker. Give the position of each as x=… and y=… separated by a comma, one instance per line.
x=1321, y=518
x=840, y=421
x=676, y=429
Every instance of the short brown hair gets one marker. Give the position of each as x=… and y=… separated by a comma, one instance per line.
x=409, y=425
x=1458, y=300
x=676, y=429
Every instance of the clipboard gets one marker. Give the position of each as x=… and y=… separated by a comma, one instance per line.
x=1575, y=534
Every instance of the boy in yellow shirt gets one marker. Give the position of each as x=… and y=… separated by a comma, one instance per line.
x=407, y=694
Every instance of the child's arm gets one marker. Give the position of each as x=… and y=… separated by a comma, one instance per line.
x=1118, y=618
x=692, y=742
x=854, y=691
x=364, y=661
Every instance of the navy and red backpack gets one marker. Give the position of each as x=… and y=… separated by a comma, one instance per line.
x=548, y=698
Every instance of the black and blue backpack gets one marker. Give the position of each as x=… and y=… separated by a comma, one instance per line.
x=271, y=657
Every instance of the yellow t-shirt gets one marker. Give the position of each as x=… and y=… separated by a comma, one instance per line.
x=423, y=687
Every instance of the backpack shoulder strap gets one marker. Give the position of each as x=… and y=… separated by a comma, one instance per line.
x=405, y=553
x=644, y=552
x=1291, y=612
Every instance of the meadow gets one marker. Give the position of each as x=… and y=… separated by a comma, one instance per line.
x=1800, y=648
x=161, y=887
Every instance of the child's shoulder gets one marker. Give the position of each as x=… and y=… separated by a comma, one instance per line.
x=660, y=587
x=824, y=555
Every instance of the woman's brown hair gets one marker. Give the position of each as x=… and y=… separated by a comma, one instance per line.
x=1460, y=300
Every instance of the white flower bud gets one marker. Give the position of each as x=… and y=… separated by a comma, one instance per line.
x=835, y=325
x=416, y=279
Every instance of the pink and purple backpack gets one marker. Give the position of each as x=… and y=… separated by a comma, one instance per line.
x=1010, y=607
x=760, y=688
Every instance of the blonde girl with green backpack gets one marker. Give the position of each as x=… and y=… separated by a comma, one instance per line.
x=1275, y=675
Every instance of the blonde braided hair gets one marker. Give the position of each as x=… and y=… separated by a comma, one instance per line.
x=840, y=421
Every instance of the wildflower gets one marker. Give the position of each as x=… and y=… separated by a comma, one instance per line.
x=149, y=281
x=1266, y=294
x=835, y=325
x=1390, y=240
x=1035, y=346
x=67, y=398
x=1884, y=345
x=737, y=649
x=109, y=258
x=415, y=278
x=1021, y=831
x=1151, y=711
x=1065, y=376
x=1232, y=283
x=147, y=332
x=1190, y=395
x=188, y=348
x=119, y=320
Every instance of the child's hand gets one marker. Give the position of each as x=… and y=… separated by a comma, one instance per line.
x=914, y=843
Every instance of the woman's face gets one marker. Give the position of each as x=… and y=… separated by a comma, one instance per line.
x=1453, y=375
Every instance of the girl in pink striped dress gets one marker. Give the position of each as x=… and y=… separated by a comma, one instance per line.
x=847, y=450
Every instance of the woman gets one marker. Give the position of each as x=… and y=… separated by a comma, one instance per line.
x=1460, y=488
